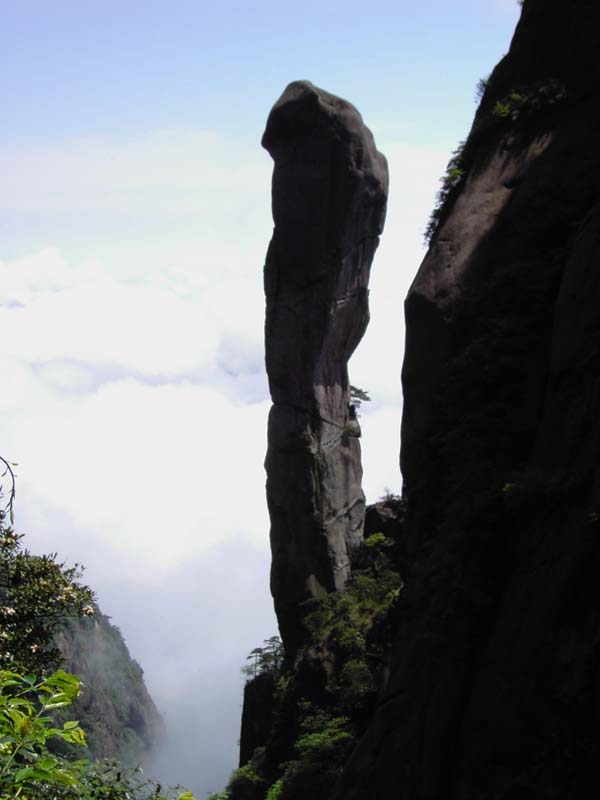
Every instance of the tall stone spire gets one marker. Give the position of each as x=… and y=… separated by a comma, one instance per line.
x=329, y=197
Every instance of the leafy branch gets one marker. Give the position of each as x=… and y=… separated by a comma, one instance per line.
x=8, y=470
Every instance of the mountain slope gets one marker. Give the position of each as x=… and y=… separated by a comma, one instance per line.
x=114, y=708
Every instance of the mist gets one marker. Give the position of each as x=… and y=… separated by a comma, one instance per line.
x=191, y=631
x=148, y=469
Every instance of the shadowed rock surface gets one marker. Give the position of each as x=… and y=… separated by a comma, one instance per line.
x=329, y=198
x=257, y=714
x=495, y=673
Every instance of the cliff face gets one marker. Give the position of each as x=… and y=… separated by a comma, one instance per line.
x=329, y=200
x=486, y=681
x=114, y=708
x=494, y=676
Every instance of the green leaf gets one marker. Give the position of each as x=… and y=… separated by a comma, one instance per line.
x=10, y=682
x=22, y=774
x=57, y=700
x=75, y=736
x=64, y=776
x=47, y=763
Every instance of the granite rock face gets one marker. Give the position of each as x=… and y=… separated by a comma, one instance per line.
x=494, y=688
x=329, y=198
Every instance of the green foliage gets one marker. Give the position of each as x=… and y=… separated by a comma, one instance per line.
x=321, y=751
x=38, y=598
x=518, y=105
x=36, y=594
x=530, y=100
x=25, y=727
x=502, y=109
x=377, y=540
x=325, y=737
x=345, y=626
x=247, y=773
x=8, y=509
x=358, y=396
x=29, y=771
x=321, y=705
x=274, y=792
x=452, y=178
x=510, y=106
x=481, y=87
x=355, y=683
x=265, y=659
x=246, y=782
x=108, y=780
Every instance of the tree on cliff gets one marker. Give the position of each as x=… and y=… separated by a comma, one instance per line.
x=37, y=593
x=358, y=395
x=264, y=659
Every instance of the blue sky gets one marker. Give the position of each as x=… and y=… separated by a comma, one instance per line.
x=134, y=218
x=119, y=68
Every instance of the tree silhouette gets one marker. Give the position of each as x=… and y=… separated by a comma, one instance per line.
x=267, y=659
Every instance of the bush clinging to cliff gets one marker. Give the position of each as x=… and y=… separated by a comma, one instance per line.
x=37, y=593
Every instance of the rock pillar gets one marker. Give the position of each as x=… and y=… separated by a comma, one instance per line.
x=329, y=198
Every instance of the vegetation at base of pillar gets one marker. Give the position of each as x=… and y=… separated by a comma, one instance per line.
x=348, y=629
x=323, y=703
x=321, y=751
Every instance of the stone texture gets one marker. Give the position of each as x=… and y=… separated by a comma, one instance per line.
x=329, y=199
x=495, y=675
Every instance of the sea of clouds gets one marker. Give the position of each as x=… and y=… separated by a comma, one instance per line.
x=135, y=398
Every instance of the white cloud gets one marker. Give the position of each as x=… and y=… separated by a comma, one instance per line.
x=134, y=395
x=136, y=405
x=139, y=175
x=175, y=208
x=380, y=451
x=152, y=325
x=151, y=470
x=135, y=401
